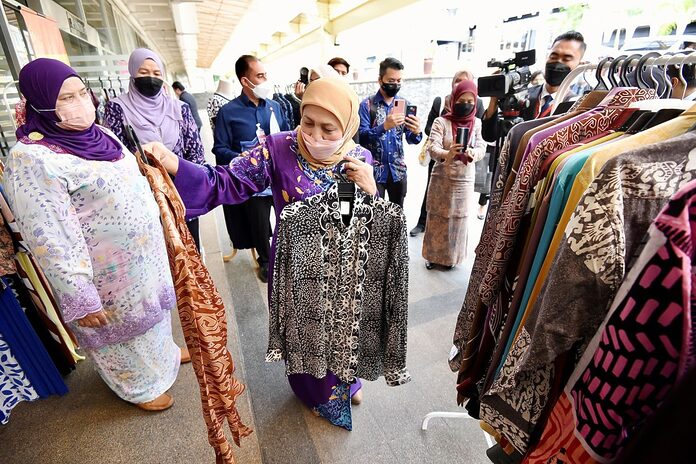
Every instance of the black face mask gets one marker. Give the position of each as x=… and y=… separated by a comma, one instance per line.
x=555, y=73
x=391, y=89
x=148, y=86
x=461, y=110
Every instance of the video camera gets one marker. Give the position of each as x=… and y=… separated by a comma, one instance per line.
x=510, y=85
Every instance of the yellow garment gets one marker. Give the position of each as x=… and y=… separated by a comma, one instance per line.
x=336, y=97
x=667, y=130
x=35, y=281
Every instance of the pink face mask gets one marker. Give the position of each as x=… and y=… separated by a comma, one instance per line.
x=77, y=116
x=321, y=150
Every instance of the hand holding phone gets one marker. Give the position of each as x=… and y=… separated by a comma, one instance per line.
x=462, y=136
x=399, y=106
x=304, y=75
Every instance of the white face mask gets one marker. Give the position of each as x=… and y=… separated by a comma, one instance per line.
x=262, y=90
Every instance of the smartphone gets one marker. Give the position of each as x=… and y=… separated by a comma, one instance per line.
x=304, y=75
x=411, y=110
x=462, y=139
x=463, y=136
x=399, y=106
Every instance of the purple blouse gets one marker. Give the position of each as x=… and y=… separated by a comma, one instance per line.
x=277, y=163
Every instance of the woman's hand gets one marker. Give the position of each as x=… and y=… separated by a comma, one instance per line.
x=299, y=89
x=94, y=320
x=454, y=151
x=361, y=173
x=168, y=159
x=466, y=157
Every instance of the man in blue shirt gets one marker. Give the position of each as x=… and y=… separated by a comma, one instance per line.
x=382, y=132
x=236, y=128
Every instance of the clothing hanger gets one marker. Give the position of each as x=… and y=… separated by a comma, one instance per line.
x=641, y=68
x=611, y=75
x=628, y=79
x=663, y=115
x=346, y=192
x=601, y=84
x=631, y=120
x=135, y=141
x=640, y=122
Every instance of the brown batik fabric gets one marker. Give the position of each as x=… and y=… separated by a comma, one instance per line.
x=203, y=318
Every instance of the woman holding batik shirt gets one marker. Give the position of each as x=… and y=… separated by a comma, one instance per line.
x=91, y=221
x=154, y=115
x=296, y=165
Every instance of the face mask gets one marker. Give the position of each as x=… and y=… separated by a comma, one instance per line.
x=321, y=150
x=148, y=85
x=391, y=89
x=77, y=116
x=555, y=73
x=461, y=110
x=262, y=90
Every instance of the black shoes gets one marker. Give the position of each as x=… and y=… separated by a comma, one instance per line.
x=263, y=273
x=419, y=229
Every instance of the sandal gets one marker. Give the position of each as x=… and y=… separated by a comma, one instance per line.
x=162, y=402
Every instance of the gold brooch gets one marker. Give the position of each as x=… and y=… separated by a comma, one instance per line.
x=35, y=136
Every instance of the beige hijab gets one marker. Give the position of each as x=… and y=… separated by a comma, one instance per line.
x=335, y=96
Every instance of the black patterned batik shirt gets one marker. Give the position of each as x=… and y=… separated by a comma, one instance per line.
x=339, y=299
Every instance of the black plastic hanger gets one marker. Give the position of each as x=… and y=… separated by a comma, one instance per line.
x=601, y=83
x=627, y=78
x=613, y=70
x=346, y=190
x=642, y=70
x=663, y=115
x=135, y=141
x=632, y=119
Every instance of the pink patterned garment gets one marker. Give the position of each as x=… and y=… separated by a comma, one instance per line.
x=643, y=349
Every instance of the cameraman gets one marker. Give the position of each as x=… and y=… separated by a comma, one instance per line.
x=566, y=52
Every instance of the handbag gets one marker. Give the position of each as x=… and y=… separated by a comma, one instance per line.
x=482, y=182
x=424, y=155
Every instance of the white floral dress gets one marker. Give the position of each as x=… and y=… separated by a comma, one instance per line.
x=95, y=230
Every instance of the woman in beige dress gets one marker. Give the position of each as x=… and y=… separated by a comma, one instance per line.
x=451, y=187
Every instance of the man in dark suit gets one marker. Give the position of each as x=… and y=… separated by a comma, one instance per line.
x=190, y=100
x=566, y=52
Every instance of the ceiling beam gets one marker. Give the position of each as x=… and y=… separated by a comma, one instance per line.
x=372, y=9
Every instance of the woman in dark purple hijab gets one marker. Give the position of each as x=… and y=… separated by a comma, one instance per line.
x=90, y=220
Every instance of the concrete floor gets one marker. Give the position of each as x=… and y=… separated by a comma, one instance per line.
x=90, y=424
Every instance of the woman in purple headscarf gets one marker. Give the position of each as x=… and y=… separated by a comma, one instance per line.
x=91, y=221
x=155, y=116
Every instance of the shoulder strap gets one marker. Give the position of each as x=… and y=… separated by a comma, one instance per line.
x=373, y=112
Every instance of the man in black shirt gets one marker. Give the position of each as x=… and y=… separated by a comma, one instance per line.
x=189, y=99
x=566, y=52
